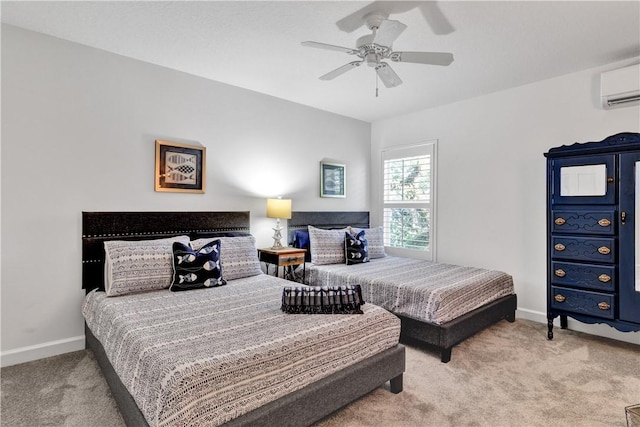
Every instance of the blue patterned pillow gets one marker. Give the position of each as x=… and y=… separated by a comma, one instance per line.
x=355, y=248
x=196, y=269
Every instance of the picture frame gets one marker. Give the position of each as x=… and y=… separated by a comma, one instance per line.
x=180, y=167
x=333, y=179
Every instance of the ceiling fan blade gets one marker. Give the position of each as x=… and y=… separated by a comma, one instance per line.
x=341, y=70
x=388, y=32
x=387, y=75
x=329, y=47
x=432, y=58
x=436, y=19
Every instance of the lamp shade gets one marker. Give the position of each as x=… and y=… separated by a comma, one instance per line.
x=279, y=208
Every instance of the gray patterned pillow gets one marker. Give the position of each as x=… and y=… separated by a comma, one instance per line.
x=327, y=246
x=375, y=240
x=138, y=265
x=238, y=256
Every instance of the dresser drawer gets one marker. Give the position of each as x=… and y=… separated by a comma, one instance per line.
x=583, y=248
x=579, y=221
x=589, y=276
x=583, y=302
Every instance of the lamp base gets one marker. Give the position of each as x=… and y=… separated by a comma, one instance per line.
x=277, y=235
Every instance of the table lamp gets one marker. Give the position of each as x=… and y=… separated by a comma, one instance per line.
x=278, y=208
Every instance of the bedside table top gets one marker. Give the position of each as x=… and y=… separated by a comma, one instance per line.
x=285, y=250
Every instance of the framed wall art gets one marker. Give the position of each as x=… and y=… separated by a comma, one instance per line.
x=180, y=167
x=333, y=179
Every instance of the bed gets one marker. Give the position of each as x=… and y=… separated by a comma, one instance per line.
x=226, y=355
x=439, y=305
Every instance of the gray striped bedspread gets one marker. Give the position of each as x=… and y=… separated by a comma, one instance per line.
x=422, y=290
x=204, y=357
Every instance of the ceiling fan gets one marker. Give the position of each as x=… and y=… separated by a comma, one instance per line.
x=373, y=49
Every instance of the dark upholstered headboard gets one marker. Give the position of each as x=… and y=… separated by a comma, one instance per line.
x=326, y=219
x=97, y=227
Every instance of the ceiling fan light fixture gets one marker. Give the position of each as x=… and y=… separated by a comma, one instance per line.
x=372, y=59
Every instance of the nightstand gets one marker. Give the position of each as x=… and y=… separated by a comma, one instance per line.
x=285, y=257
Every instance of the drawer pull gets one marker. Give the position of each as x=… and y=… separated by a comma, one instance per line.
x=603, y=306
x=559, y=298
x=559, y=247
x=604, y=222
x=559, y=221
x=604, y=278
x=604, y=250
x=560, y=272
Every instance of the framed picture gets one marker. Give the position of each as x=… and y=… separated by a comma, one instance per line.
x=180, y=167
x=333, y=179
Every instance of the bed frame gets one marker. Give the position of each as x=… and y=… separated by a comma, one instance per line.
x=443, y=337
x=300, y=408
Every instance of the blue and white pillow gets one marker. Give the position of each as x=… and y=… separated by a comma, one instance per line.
x=239, y=256
x=196, y=269
x=355, y=248
x=375, y=240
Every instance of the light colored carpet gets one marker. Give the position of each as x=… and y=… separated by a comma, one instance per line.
x=508, y=375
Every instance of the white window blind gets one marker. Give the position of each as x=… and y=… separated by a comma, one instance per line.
x=407, y=199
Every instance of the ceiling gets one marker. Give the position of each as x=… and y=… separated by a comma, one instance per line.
x=256, y=44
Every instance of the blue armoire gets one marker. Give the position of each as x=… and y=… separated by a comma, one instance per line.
x=593, y=230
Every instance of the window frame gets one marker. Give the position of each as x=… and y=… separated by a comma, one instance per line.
x=421, y=149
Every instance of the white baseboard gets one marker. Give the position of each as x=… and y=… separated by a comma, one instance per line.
x=40, y=351
x=602, y=330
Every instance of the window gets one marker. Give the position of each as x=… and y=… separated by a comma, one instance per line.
x=408, y=202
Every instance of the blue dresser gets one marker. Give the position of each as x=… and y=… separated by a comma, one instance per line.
x=592, y=232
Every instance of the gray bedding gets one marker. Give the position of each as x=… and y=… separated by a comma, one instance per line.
x=422, y=290
x=204, y=357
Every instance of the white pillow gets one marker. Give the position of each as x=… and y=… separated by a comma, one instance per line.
x=138, y=265
x=238, y=256
x=326, y=246
x=375, y=240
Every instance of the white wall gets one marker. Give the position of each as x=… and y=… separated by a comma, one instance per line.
x=78, y=132
x=491, y=207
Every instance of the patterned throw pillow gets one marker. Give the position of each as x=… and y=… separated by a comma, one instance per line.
x=327, y=246
x=355, y=248
x=138, y=265
x=238, y=256
x=375, y=240
x=196, y=269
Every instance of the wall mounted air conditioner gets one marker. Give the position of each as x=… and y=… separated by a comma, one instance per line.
x=621, y=87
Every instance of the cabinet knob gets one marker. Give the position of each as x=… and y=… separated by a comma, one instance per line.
x=559, y=297
x=559, y=247
x=560, y=272
x=603, y=306
x=604, y=222
x=559, y=221
x=604, y=278
x=609, y=179
x=604, y=250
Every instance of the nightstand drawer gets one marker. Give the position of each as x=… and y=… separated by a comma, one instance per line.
x=589, y=276
x=587, y=221
x=583, y=248
x=290, y=259
x=583, y=302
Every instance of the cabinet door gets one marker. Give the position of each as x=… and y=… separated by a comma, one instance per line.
x=629, y=240
x=584, y=180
